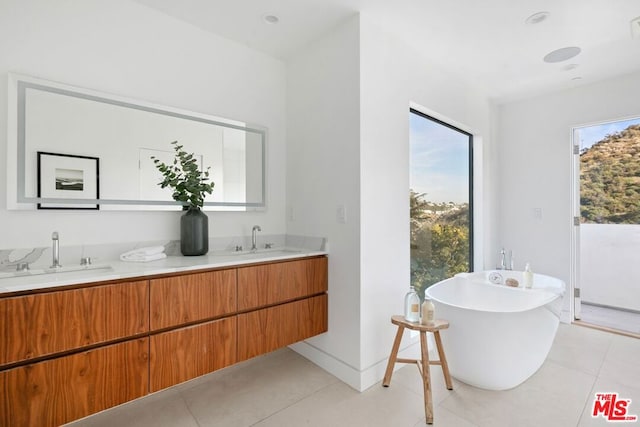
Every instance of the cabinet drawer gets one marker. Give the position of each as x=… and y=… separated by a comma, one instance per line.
x=265, y=330
x=42, y=324
x=186, y=353
x=192, y=297
x=268, y=284
x=60, y=390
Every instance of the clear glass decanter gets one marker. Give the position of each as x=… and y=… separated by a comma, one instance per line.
x=412, y=306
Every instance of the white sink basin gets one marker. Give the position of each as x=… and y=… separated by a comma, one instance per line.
x=263, y=252
x=72, y=270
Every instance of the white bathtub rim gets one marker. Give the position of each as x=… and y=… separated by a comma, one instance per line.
x=552, y=298
x=550, y=294
x=557, y=286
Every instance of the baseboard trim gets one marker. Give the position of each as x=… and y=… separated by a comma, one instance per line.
x=359, y=380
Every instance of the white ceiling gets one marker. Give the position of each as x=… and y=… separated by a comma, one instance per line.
x=485, y=41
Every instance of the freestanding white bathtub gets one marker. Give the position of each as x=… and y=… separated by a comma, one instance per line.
x=498, y=335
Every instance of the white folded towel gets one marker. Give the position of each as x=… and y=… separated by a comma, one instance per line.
x=151, y=253
x=149, y=250
x=142, y=258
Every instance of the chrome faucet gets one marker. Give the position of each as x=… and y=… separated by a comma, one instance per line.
x=503, y=260
x=254, y=239
x=56, y=250
x=504, y=264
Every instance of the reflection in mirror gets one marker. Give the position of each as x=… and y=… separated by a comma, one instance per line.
x=123, y=135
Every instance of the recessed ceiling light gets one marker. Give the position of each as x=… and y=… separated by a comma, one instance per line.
x=575, y=79
x=271, y=19
x=537, y=18
x=562, y=54
x=570, y=67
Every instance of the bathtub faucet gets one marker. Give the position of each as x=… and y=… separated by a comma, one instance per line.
x=503, y=260
x=505, y=263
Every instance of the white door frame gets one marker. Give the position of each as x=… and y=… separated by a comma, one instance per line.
x=574, y=287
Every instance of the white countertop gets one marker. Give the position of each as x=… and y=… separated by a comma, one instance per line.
x=115, y=270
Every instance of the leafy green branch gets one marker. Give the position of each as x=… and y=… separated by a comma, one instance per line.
x=189, y=184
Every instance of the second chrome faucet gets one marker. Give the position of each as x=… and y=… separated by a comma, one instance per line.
x=254, y=237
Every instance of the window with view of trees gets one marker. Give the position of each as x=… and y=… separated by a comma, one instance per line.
x=440, y=198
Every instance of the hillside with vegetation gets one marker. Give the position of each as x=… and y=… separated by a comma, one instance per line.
x=610, y=179
x=439, y=241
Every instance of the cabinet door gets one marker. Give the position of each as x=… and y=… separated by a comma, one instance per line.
x=268, y=284
x=191, y=297
x=61, y=390
x=265, y=330
x=42, y=324
x=186, y=353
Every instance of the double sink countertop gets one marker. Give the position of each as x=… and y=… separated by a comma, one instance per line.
x=43, y=277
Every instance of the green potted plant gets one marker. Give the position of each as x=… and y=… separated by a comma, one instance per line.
x=190, y=185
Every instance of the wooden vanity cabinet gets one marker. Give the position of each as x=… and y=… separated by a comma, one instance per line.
x=66, y=354
x=186, y=353
x=63, y=389
x=192, y=297
x=294, y=294
x=47, y=323
x=268, y=284
x=72, y=383
x=265, y=330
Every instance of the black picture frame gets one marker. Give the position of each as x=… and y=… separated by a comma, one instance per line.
x=68, y=176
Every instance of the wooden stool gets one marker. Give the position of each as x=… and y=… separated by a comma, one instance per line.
x=423, y=364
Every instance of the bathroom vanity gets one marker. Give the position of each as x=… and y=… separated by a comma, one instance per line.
x=72, y=350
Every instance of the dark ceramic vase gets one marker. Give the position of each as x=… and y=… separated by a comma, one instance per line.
x=194, y=232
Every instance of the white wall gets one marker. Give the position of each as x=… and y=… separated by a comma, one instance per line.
x=348, y=130
x=323, y=171
x=127, y=49
x=535, y=159
x=609, y=264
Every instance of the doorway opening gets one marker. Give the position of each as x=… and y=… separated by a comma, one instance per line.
x=607, y=225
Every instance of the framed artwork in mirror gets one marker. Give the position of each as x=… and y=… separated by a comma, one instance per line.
x=68, y=177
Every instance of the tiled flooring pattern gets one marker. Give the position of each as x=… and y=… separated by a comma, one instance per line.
x=611, y=318
x=283, y=389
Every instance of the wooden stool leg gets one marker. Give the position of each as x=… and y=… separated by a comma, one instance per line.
x=392, y=358
x=426, y=378
x=443, y=360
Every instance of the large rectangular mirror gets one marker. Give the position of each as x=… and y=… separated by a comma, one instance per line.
x=72, y=148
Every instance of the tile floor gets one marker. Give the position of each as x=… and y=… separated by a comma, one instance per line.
x=284, y=389
x=610, y=317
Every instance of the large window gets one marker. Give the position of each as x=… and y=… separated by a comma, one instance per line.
x=441, y=200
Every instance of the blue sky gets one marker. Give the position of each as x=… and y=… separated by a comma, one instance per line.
x=439, y=164
x=589, y=135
